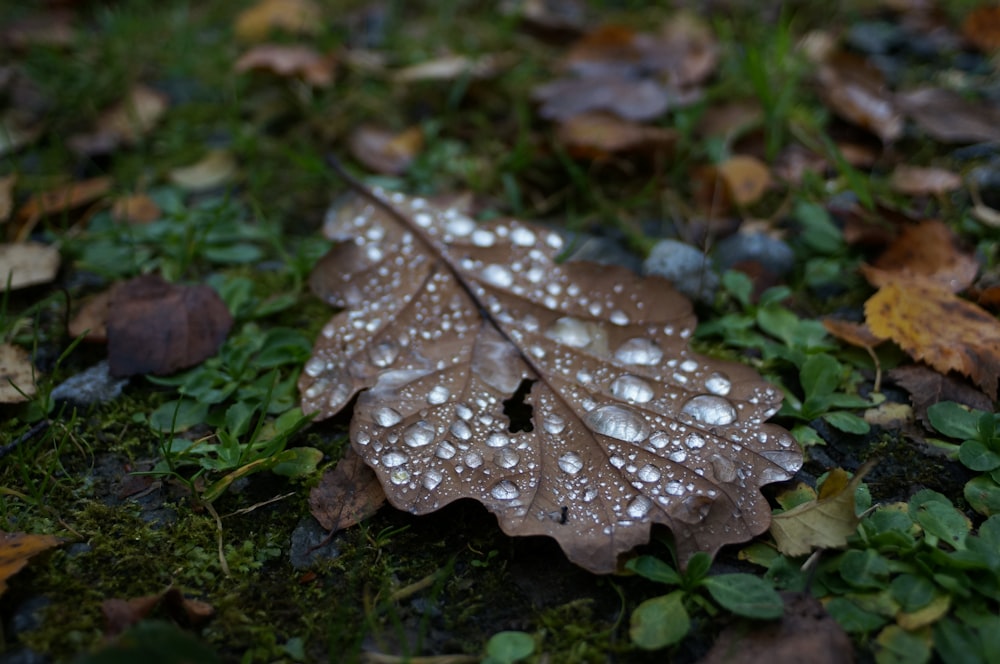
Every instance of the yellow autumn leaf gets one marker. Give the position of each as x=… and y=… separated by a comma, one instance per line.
x=17, y=548
x=824, y=523
x=935, y=326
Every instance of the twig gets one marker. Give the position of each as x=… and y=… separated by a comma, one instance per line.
x=24, y=437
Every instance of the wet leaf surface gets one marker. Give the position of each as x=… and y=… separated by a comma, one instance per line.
x=447, y=320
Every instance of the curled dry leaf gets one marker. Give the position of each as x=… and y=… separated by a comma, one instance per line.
x=313, y=67
x=17, y=375
x=935, y=326
x=60, y=200
x=136, y=209
x=158, y=327
x=450, y=67
x=917, y=181
x=924, y=252
x=24, y=264
x=927, y=387
x=856, y=91
x=295, y=16
x=453, y=327
x=383, y=151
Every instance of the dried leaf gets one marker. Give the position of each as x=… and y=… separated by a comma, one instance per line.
x=17, y=548
x=746, y=178
x=982, y=28
x=948, y=117
x=806, y=633
x=124, y=123
x=917, y=181
x=24, y=264
x=157, y=327
x=856, y=91
x=383, y=151
x=934, y=326
x=92, y=318
x=597, y=135
x=561, y=396
x=853, y=333
x=17, y=375
x=214, y=170
x=120, y=614
x=451, y=67
x=556, y=18
x=60, y=200
x=135, y=208
x=7, y=183
x=824, y=523
x=313, y=67
x=630, y=99
x=928, y=387
x=348, y=494
x=924, y=253
x=295, y=16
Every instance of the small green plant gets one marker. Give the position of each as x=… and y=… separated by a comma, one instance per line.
x=915, y=577
x=664, y=620
x=508, y=648
x=979, y=450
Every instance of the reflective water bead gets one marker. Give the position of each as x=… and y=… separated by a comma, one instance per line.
x=648, y=473
x=419, y=433
x=385, y=416
x=497, y=439
x=639, y=351
x=505, y=490
x=618, y=422
x=445, y=450
x=393, y=459
x=632, y=389
x=571, y=463
x=432, y=478
x=639, y=507
x=719, y=384
x=506, y=458
x=710, y=409
x=438, y=395
x=498, y=275
x=461, y=430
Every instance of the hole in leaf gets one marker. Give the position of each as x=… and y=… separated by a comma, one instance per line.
x=518, y=412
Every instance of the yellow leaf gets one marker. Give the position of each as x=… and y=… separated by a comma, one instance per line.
x=937, y=327
x=296, y=16
x=16, y=549
x=824, y=523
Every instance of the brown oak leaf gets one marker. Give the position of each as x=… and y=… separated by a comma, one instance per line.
x=452, y=327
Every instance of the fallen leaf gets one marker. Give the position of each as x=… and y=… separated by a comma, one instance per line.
x=927, y=387
x=949, y=117
x=856, y=91
x=560, y=395
x=981, y=27
x=24, y=264
x=17, y=374
x=824, y=523
x=856, y=334
x=729, y=119
x=7, y=183
x=17, y=548
x=294, y=16
x=91, y=319
x=551, y=18
x=159, y=328
x=313, y=67
x=451, y=67
x=806, y=633
x=597, y=135
x=924, y=253
x=935, y=326
x=214, y=170
x=60, y=200
x=918, y=181
x=383, y=151
x=348, y=494
x=135, y=208
x=636, y=76
x=120, y=614
x=746, y=178
x=124, y=123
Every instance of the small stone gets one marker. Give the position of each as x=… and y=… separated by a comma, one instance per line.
x=686, y=267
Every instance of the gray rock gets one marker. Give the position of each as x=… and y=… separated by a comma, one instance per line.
x=772, y=253
x=94, y=385
x=686, y=267
x=310, y=543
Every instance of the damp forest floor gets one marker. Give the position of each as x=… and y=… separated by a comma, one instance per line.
x=148, y=97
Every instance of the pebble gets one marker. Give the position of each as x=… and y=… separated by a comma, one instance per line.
x=685, y=266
